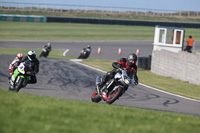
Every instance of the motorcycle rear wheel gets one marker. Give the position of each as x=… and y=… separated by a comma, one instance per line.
x=95, y=97
x=114, y=96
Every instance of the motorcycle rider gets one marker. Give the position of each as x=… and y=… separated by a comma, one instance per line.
x=189, y=46
x=85, y=52
x=34, y=64
x=15, y=63
x=47, y=48
x=128, y=63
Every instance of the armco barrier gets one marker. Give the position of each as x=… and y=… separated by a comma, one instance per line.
x=121, y=22
x=22, y=18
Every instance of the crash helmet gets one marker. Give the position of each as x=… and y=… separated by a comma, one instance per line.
x=31, y=55
x=131, y=59
x=19, y=56
x=49, y=44
x=88, y=46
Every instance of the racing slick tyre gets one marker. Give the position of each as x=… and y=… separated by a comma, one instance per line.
x=112, y=97
x=18, y=85
x=95, y=97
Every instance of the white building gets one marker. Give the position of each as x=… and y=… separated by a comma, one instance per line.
x=169, y=38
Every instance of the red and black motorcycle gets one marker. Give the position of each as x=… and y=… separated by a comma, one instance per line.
x=113, y=89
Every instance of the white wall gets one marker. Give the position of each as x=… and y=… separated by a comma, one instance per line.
x=184, y=66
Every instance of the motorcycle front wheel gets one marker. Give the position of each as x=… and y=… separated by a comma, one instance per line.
x=41, y=54
x=95, y=97
x=10, y=89
x=18, y=85
x=112, y=97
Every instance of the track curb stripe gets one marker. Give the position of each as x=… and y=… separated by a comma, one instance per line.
x=65, y=52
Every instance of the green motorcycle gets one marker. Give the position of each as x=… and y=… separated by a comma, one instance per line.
x=21, y=76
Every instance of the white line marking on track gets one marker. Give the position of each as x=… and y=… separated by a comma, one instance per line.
x=76, y=60
x=143, y=84
x=65, y=52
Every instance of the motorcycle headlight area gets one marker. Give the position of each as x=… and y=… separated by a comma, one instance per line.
x=126, y=80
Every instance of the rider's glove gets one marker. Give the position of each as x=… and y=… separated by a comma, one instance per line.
x=120, y=69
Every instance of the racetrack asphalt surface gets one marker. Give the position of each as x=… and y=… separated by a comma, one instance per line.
x=63, y=78
x=109, y=49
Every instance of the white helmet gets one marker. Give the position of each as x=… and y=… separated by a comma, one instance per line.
x=31, y=55
x=49, y=44
x=19, y=56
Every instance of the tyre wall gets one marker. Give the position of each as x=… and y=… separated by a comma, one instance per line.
x=144, y=62
x=121, y=22
x=31, y=18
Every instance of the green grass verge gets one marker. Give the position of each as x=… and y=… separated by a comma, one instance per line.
x=78, y=32
x=169, y=84
x=25, y=113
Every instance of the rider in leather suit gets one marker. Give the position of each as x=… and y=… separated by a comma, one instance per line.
x=34, y=64
x=128, y=63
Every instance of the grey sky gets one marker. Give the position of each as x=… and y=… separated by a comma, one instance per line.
x=183, y=5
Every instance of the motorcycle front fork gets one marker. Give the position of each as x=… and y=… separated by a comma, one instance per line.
x=11, y=81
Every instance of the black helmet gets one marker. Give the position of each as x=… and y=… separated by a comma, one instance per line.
x=132, y=59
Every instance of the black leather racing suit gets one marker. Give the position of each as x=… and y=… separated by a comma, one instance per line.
x=35, y=66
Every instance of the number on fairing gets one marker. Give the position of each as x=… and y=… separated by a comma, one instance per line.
x=21, y=68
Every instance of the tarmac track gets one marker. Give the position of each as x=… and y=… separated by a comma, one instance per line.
x=109, y=49
x=66, y=79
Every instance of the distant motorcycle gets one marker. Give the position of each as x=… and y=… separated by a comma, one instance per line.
x=113, y=89
x=85, y=53
x=45, y=52
x=20, y=76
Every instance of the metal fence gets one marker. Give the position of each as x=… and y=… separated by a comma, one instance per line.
x=96, y=9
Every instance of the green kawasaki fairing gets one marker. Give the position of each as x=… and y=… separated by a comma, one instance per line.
x=16, y=73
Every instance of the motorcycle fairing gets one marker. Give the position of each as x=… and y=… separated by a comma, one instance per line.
x=16, y=73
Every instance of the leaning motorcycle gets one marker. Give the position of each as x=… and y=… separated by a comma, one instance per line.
x=84, y=54
x=45, y=52
x=21, y=76
x=113, y=89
